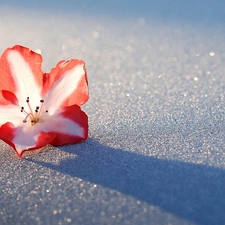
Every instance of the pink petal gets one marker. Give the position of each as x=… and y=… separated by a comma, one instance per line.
x=66, y=85
x=11, y=113
x=7, y=133
x=32, y=140
x=8, y=95
x=20, y=72
x=69, y=126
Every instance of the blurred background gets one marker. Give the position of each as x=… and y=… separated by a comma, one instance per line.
x=168, y=10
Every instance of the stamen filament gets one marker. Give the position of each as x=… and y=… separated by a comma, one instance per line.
x=40, y=108
x=25, y=120
x=33, y=115
x=24, y=112
x=28, y=103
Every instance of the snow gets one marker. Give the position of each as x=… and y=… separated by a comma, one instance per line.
x=155, y=153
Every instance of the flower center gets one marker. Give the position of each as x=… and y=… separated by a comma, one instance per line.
x=33, y=116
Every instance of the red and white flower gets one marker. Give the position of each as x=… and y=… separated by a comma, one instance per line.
x=39, y=108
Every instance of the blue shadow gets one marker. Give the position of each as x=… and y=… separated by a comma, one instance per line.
x=193, y=192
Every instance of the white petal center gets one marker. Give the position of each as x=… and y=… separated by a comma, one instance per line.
x=23, y=77
x=63, y=88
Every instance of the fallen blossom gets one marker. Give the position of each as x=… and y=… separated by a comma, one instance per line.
x=39, y=108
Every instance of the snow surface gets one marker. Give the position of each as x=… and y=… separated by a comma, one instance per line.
x=156, y=148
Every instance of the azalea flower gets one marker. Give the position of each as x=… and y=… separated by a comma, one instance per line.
x=39, y=108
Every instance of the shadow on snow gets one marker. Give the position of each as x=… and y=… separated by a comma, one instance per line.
x=193, y=192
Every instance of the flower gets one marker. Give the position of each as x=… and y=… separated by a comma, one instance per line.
x=39, y=108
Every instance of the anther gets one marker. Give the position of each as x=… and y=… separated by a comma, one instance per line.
x=35, y=115
x=36, y=110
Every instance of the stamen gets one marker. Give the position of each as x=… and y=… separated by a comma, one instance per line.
x=28, y=103
x=36, y=110
x=34, y=116
x=25, y=120
x=41, y=101
x=23, y=111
